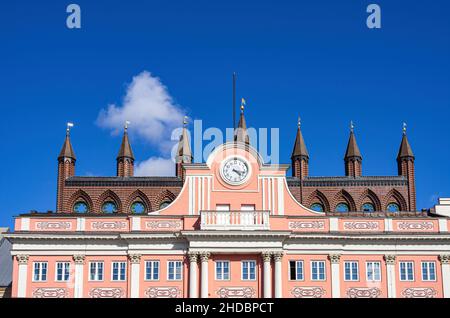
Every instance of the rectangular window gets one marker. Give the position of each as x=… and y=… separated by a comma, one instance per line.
x=222, y=270
x=119, y=271
x=296, y=270
x=40, y=271
x=222, y=207
x=406, y=271
x=428, y=271
x=351, y=271
x=373, y=270
x=247, y=207
x=248, y=270
x=174, y=270
x=152, y=270
x=62, y=271
x=96, y=271
x=317, y=270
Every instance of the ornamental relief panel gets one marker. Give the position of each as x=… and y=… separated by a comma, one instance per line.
x=425, y=292
x=361, y=226
x=107, y=293
x=306, y=225
x=415, y=226
x=162, y=225
x=363, y=292
x=50, y=293
x=108, y=225
x=53, y=225
x=163, y=292
x=308, y=292
x=236, y=292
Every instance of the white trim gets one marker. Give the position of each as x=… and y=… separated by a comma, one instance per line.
x=442, y=225
x=334, y=224
x=388, y=225
x=239, y=158
x=391, y=281
x=135, y=223
x=78, y=280
x=335, y=280
x=190, y=195
x=25, y=224
x=445, y=272
x=22, y=280
x=280, y=197
x=135, y=269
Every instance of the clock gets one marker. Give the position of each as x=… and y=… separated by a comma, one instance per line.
x=235, y=171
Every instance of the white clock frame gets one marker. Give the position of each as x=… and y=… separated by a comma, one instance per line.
x=241, y=158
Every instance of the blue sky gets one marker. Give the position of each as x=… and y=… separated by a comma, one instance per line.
x=313, y=58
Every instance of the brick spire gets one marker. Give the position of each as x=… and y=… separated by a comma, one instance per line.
x=240, y=135
x=67, y=150
x=125, y=157
x=66, y=168
x=405, y=150
x=184, y=153
x=406, y=168
x=300, y=156
x=353, y=158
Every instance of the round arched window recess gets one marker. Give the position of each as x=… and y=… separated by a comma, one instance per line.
x=318, y=207
x=368, y=207
x=342, y=207
x=109, y=207
x=393, y=207
x=80, y=207
x=138, y=207
x=164, y=204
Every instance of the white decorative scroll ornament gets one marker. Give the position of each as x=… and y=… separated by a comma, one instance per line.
x=364, y=292
x=163, y=225
x=106, y=293
x=163, y=292
x=109, y=225
x=134, y=258
x=50, y=293
x=308, y=292
x=421, y=226
x=316, y=225
x=361, y=225
x=418, y=292
x=79, y=258
x=54, y=225
x=334, y=258
x=22, y=259
x=236, y=292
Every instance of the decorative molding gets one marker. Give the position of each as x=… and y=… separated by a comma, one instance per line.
x=363, y=292
x=277, y=256
x=308, y=292
x=299, y=225
x=421, y=226
x=266, y=256
x=425, y=292
x=444, y=258
x=361, y=225
x=193, y=257
x=163, y=225
x=236, y=292
x=334, y=258
x=134, y=258
x=50, y=293
x=54, y=225
x=79, y=258
x=106, y=293
x=116, y=225
x=204, y=256
x=389, y=259
x=163, y=292
x=22, y=259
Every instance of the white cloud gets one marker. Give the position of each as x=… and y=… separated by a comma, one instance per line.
x=155, y=166
x=153, y=115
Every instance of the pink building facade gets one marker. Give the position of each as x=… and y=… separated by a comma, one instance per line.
x=234, y=230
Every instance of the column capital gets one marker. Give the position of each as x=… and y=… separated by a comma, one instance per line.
x=389, y=259
x=193, y=257
x=334, y=258
x=134, y=258
x=79, y=258
x=444, y=258
x=204, y=256
x=277, y=256
x=266, y=256
x=22, y=259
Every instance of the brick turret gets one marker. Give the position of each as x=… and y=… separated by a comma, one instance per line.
x=66, y=167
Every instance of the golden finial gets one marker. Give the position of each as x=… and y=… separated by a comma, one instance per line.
x=404, y=128
x=242, y=104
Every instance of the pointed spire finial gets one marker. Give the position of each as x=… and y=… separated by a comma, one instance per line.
x=126, y=125
x=404, y=128
x=69, y=125
x=185, y=121
x=352, y=126
x=299, y=122
x=242, y=105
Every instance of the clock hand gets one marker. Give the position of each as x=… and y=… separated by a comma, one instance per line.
x=238, y=172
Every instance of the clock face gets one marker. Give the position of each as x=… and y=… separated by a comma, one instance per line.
x=235, y=171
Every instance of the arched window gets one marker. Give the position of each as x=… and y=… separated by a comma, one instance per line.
x=368, y=207
x=164, y=204
x=393, y=207
x=138, y=207
x=342, y=207
x=80, y=207
x=109, y=207
x=318, y=207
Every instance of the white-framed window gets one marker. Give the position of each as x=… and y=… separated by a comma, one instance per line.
x=406, y=271
x=351, y=272
x=118, y=271
x=96, y=271
x=248, y=270
x=428, y=271
x=62, y=271
x=151, y=270
x=317, y=270
x=247, y=207
x=373, y=271
x=222, y=270
x=222, y=207
x=295, y=270
x=174, y=270
x=40, y=271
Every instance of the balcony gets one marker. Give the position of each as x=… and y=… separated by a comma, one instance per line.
x=234, y=220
